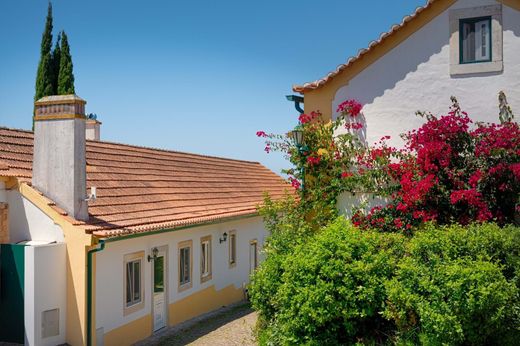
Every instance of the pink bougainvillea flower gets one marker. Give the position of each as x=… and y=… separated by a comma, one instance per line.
x=261, y=134
x=350, y=107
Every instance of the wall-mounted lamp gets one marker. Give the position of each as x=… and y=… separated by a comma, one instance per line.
x=155, y=252
x=224, y=238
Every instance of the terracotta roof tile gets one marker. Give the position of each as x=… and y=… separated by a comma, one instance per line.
x=144, y=189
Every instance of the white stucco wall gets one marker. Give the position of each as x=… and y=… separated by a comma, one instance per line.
x=347, y=202
x=110, y=267
x=28, y=222
x=45, y=289
x=416, y=76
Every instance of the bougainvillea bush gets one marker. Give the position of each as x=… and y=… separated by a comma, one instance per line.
x=450, y=171
x=327, y=163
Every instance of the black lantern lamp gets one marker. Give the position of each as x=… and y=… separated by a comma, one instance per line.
x=224, y=238
x=299, y=141
x=155, y=252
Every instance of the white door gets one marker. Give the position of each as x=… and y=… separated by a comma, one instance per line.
x=159, y=291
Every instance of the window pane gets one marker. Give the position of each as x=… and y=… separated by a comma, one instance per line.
x=128, y=283
x=137, y=281
x=181, y=266
x=475, y=40
x=184, y=270
x=158, y=274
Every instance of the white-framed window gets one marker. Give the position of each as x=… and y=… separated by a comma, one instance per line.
x=253, y=255
x=205, y=258
x=133, y=290
x=476, y=40
x=185, y=265
x=232, y=248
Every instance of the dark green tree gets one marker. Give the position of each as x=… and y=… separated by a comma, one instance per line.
x=56, y=57
x=66, y=75
x=44, y=78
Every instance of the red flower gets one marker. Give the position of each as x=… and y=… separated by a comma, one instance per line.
x=350, y=107
x=313, y=160
x=346, y=174
x=261, y=134
x=304, y=118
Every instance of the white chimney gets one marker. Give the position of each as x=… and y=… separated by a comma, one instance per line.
x=93, y=129
x=59, y=164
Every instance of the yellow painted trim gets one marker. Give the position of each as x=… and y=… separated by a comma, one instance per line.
x=515, y=4
x=58, y=117
x=77, y=242
x=129, y=333
x=59, y=102
x=203, y=301
x=321, y=99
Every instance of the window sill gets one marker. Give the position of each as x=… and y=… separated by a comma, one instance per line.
x=205, y=278
x=184, y=287
x=479, y=67
x=133, y=308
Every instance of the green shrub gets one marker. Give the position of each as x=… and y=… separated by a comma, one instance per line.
x=451, y=285
x=457, y=285
x=332, y=287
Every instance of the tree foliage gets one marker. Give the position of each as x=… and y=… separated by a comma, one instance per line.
x=44, y=76
x=66, y=75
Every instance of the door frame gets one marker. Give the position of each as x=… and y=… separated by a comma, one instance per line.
x=162, y=250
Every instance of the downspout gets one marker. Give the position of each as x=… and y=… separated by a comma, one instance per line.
x=297, y=100
x=89, y=289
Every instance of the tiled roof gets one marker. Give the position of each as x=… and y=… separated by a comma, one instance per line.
x=385, y=35
x=142, y=189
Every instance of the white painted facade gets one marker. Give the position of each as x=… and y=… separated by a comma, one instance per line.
x=415, y=75
x=110, y=269
x=28, y=222
x=348, y=202
x=45, y=294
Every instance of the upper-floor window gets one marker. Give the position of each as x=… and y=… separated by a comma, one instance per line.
x=475, y=40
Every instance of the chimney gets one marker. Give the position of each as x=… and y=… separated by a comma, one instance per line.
x=93, y=127
x=59, y=164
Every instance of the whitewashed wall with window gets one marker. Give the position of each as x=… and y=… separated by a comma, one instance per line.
x=110, y=267
x=416, y=75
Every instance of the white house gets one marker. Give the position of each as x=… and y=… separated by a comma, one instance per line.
x=469, y=49
x=106, y=243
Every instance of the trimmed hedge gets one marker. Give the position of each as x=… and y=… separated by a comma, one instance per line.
x=445, y=285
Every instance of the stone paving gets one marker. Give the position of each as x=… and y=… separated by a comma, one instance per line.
x=228, y=326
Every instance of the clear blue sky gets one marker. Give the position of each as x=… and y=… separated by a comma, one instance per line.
x=196, y=76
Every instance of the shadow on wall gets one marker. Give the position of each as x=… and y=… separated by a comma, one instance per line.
x=387, y=72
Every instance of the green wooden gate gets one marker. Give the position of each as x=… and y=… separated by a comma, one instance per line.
x=12, y=265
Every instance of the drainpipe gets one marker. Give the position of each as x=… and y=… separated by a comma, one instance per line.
x=297, y=100
x=89, y=289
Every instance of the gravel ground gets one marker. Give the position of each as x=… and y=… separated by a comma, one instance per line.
x=227, y=326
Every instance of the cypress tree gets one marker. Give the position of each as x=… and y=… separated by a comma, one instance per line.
x=66, y=75
x=56, y=57
x=44, y=85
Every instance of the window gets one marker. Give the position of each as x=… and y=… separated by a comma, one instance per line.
x=133, y=282
x=232, y=248
x=475, y=40
x=253, y=255
x=185, y=265
x=133, y=291
x=205, y=259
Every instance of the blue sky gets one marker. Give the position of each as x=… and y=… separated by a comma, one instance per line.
x=195, y=76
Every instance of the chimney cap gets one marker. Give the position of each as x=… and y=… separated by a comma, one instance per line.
x=59, y=99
